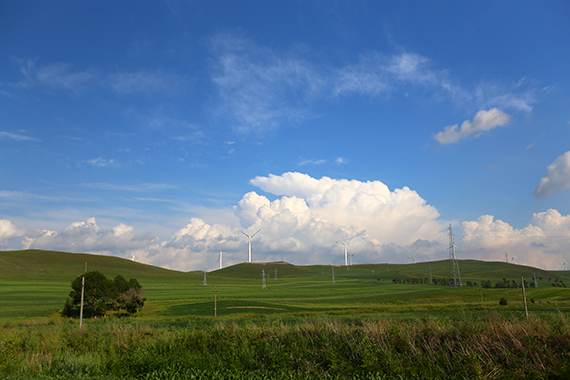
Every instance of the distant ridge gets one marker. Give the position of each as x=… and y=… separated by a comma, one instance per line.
x=36, y=264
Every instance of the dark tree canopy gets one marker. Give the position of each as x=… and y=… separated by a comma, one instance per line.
x=102, y=294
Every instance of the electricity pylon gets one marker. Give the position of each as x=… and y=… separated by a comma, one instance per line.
x=454, y=275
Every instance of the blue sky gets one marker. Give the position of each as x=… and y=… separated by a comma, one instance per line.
x=163, y=129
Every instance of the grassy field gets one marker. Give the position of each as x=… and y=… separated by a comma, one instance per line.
x=35, y=284
x=302, y=326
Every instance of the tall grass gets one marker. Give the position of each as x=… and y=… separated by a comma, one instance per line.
x=373, y=348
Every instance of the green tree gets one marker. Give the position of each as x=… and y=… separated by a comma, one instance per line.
x=121, y=284
x=100, y=293
x=133, y=300
x=67, y=309
x=131, y=296
x=103, y=294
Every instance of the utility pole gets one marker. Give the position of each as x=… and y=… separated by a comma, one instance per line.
x=215, y=302
x=332, y=274
x=81, y=309
x=535, y=282
x=524, y=297
x=454, y=276
x=205, y=283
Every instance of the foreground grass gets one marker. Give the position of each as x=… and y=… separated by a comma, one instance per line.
x=494, y=347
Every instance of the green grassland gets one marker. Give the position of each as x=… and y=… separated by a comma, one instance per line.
x=302, y=326
x=35, y=284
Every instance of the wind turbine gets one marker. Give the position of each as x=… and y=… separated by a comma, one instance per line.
x=345, y=243
x=564, y=265
x=132, y=257
x=413, y=259
x=513, y=258
x=350, y=258
x=220, y=256
x=250, y=237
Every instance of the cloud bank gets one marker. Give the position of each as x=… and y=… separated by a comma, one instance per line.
x=557, y=177
x=301, y=218
x=543, y=243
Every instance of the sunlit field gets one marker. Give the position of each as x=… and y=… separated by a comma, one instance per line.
x=301, y=325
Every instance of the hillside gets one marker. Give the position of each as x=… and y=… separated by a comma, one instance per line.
x=40, y=264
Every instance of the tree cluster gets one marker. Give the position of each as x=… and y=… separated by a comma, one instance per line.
x=411, y=280
x=512, y=284
x=102, y=294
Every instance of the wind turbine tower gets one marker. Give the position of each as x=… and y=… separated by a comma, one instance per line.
x=220, y=256
x=250, y=237
x=345, y=243
x=454, y=276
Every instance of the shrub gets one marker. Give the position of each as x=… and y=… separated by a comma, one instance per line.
x=503, y=301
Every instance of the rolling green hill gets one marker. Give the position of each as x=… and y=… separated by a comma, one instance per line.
x=62, y=265
x=35, y=284
x=39, y=264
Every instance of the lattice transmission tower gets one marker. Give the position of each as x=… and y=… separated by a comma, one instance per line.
x=263, y=286
x=454, y=275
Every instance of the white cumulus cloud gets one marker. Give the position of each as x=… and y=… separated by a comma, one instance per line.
x=8, y=231
x=557, y=177
x=302, y=224
x=400, y=216
x=482, y=122
x=301, y=218
x=87, y=236
x=542, y=243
